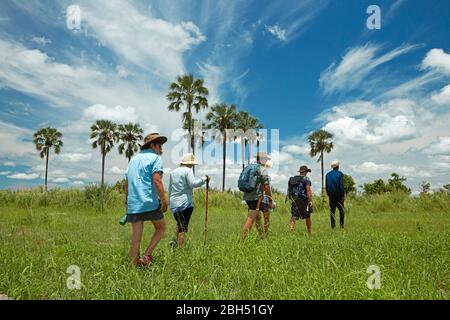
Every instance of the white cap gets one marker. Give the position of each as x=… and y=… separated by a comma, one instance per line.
x=334, y=164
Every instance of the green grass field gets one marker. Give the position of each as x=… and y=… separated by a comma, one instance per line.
x=409, y=239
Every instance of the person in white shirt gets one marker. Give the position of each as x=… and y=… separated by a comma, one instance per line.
x=181, y=200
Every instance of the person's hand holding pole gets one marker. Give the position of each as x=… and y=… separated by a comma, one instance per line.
x=157, y=181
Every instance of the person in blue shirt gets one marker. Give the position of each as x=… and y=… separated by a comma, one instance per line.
x=334, y=182
x=181, y=200
x=145, y=196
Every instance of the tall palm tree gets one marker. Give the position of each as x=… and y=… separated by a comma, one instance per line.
x=245, y=122
x=129, y=134
x=222, y=117
x=46, y=139
x=319, y=142
x=106, y=134
x=191, y=93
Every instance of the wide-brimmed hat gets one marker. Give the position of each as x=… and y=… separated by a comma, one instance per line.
x=153, y=138
x=188, y=158
x=269, y=164
x=334, y=164
x=304, y=169
x=263, y=155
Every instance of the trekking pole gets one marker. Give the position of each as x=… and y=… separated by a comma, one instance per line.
x=206, y=209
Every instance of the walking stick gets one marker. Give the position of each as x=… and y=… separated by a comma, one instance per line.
x=206, y=208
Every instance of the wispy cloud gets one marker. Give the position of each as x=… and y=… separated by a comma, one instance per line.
x=24, y=176
x=356, y=64
x=277, y=32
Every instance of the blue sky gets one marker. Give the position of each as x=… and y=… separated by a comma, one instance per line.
x=296, y=65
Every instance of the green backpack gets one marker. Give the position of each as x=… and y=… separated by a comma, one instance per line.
x=248, y=178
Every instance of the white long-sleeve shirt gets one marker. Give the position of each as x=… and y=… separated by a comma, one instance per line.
x=181, y=185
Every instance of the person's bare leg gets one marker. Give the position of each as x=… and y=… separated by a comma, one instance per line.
x=266, y=222
x=248, y=224
x=292, y=225
x=308, y=225
x=137, y=228
x=259, y=227
x=181, y=239
x=160, y=229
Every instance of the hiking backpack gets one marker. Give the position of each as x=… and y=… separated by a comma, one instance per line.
x=248, y=178
x=297, y=188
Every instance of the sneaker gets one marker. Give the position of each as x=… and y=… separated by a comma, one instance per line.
x=145, y=261
x=173, y=243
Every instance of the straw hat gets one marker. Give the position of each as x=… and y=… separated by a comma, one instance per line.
x=263, y=155
x=269, y=164
x=153, y=138
x=188, y=158
x=334, y=164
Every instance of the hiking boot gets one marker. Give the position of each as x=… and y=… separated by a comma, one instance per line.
x=145, y=261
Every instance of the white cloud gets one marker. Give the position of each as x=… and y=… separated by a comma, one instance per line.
x=150, y=43
x=24, y=176
x=4, y=173
x=9, y=164
x=75, y=157
x=116, y=170
x=80, y=176
x=372, y=124
x=296, y=149
x=78, y=183
x=356, y=64
x=277, y=32
x=41, y=41
x=117, y=114
x=438, y=60
x=60, y=180
x=442, y=146
x=443, y=97
x=374, y=168
x=14, y=140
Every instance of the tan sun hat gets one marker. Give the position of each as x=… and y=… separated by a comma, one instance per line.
x=152, y=138
x=263, y=155
x=188, y=158
x=334, y=164
x=269, y=164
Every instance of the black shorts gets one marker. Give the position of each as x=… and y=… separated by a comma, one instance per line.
x=253, y=203
x=182, y=218
x=300, y=210
x=145, y=216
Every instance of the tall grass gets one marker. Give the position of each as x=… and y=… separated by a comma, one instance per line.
x=44, y=233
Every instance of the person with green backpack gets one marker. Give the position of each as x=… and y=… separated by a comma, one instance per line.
x=254, y=182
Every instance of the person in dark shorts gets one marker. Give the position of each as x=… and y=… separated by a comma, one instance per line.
x=300, y=195
x=181, y=200
x=254, y=199
x=145, y=196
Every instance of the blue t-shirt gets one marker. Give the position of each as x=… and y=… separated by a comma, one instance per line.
x=142, y=195
x=334, y=182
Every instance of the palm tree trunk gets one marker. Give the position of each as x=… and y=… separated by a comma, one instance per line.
x=103, y=165
x=224, y=159
x=46, y=169
x=321, y=160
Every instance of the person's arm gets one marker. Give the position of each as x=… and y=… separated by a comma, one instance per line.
x=125, y=186
x=195, y=183
x=157, y=181
x=341, y=186
x=309, y=194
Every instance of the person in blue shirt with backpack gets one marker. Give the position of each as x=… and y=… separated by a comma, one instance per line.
x=254, y=182
x=299, y=192
x=334, y=182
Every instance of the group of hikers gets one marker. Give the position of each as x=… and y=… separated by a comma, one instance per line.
x=146, y=200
